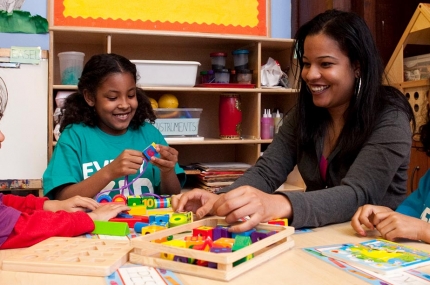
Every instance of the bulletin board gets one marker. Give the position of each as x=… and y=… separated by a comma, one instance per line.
x=220, y=17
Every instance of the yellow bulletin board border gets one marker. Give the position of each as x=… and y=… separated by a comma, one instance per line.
x=259, y=29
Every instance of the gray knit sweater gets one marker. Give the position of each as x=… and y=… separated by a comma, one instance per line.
x=378, y=174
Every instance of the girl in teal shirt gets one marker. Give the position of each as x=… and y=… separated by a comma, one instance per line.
x=106, y=126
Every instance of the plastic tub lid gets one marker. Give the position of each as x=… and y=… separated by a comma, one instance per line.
x=214, y=54
x=240, y=51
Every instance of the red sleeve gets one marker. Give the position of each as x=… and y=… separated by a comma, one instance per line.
x=25, y=204
x=40, y=225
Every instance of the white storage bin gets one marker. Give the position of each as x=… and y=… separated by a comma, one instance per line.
x=417, y=67
x=166, y=73
x=178, y=121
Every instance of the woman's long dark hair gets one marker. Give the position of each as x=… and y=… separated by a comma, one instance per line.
x=94, y=73
x=354, y=38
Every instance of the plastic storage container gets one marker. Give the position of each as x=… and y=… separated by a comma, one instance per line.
x=244, y=76
x=417, y=67
x=71, y=65
x=166, y=73
x=222, y=76
x=218, y=60
x=240, y=58
x=178, y=121
x=207, y=76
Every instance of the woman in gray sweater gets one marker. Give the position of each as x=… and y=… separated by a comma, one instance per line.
x=349, y=135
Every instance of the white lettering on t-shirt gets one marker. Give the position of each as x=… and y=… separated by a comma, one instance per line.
x=86, y=170
x=90, y=167
x=425, y=215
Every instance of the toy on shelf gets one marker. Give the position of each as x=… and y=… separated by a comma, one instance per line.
x=221, y=257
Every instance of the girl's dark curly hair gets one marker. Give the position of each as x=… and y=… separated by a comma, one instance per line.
x=93, y=75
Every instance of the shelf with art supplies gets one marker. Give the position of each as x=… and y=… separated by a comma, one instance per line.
x=220, y=76
x=241, y=76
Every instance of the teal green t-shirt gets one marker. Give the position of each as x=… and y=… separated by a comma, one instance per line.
x=82, y=150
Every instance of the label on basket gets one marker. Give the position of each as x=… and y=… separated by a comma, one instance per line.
x=178, y=126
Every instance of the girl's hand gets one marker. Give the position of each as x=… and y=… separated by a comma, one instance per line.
x=107, y=211
x=127, y=163
x=393, y=225
x=73, y=204
x=365, y=215
x=168, y=158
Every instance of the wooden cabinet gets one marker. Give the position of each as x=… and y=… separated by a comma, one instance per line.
x=149, y=45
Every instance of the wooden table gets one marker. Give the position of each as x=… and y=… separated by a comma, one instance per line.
x=292, y=267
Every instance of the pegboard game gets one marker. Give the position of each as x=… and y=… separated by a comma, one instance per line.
x=149, y=253
x=72, y=256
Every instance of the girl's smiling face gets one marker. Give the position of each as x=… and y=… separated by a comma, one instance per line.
x=115, y=102
x=328, y=73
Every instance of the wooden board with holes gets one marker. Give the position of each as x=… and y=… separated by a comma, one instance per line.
x=148, y=253
x=72, y=256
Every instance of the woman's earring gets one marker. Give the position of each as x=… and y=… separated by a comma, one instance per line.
x=358, y=87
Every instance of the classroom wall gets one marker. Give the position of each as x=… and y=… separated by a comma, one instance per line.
x=35, y=7
x=280, y=18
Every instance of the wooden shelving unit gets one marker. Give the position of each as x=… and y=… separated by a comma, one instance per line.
x=150, y=45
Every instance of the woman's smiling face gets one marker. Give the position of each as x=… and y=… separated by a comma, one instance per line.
x=328, y=73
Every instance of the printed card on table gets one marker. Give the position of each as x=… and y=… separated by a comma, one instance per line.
x=378, y=255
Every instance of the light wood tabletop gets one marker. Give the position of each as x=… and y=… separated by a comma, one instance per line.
x=292, y=267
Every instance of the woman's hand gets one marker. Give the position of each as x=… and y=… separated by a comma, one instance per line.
x=74, y=204
x=198, y=201
x=365, y=215
x=252, y=205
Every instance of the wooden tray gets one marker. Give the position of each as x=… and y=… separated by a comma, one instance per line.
x=72, y=256
x=148, y=253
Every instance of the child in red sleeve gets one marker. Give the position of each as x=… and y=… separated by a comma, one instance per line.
x=25, y=221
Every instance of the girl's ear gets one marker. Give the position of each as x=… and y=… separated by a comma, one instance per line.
x=89, y=98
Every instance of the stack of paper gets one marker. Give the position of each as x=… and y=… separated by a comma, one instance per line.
x=215, y=176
